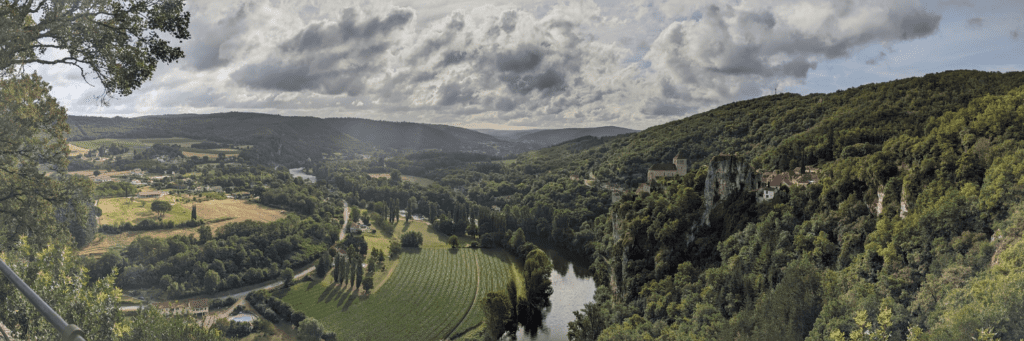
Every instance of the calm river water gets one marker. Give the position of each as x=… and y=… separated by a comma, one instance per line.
x=573, y=286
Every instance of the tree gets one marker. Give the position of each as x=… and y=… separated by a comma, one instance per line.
x=194, y=217
x=497, y=312
x=119, y=41
x=296, y=317
x=358, y=274
x=205, y=234
x=310, y=330
x=160, y=207
x=338, y=267
x=411, y=239
x=396, y=177
x=537, y=273
x=354, y=213
x=368, y=283
x=324, y=265
x=211, y=281
x=453, y=241
x=288, y=275
x=263, y=326
x=57, y=275
x=395, y=249
x=77, y=213
x=96, y=172
x=106, y=265
x=32, y=134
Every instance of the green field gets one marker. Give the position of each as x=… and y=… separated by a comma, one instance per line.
x=431, y=295
x=118, y=211
x=431, y=238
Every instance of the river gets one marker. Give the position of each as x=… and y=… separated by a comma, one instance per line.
x=573, y=286
x=299, y=173
x=571, y=280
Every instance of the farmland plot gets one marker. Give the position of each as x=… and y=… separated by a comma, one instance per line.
x=433, y=294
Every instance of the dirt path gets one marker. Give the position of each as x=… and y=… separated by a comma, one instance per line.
x=377, y=286
x=476, y=259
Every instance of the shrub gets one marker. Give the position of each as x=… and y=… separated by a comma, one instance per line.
x=411, y=239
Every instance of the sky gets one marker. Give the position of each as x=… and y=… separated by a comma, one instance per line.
x=548, y=64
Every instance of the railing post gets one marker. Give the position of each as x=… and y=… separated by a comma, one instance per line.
x=68, y=332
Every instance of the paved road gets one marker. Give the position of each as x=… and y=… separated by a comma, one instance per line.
x=265, y=285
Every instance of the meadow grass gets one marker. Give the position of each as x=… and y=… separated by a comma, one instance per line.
x=431, y=295
x=431, y=237
x=120, y=210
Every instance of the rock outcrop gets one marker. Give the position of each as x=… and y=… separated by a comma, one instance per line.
x=727, y=175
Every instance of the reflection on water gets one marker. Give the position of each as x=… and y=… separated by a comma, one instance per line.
x=573, y=286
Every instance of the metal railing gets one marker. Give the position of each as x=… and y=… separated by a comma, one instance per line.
x=68, y=332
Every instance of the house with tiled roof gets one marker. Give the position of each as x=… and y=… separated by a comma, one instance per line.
x=772, y=182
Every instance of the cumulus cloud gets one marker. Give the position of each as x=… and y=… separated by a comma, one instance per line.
x=632, y=63
x=746, y=49
x=328, y=57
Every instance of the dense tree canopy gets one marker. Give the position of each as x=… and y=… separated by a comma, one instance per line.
x=118, y=41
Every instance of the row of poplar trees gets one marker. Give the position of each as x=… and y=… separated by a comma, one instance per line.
x=348, y=269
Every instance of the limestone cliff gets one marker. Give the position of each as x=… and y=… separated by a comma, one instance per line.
x=727, y=176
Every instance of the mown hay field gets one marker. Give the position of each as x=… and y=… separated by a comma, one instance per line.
x=433, y=294
x=120, y=210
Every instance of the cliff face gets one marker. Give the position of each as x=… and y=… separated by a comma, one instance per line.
x=727, y=176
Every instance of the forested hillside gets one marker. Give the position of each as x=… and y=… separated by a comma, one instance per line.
x=286, y=139
x=912, y=232
x=788, y=130
x=549, y=137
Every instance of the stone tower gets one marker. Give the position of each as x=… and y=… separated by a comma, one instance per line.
x=681, y=166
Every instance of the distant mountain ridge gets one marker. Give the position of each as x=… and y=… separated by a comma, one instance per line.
x=289, y=139
x=551, y=137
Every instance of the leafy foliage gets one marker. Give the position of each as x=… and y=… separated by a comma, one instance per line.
x=120, y=41
x=917, y=192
